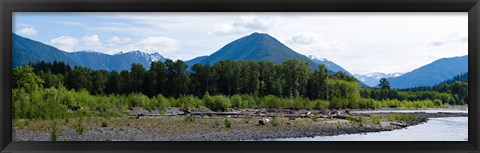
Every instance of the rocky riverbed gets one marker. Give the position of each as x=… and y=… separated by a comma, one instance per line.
x=215, y=127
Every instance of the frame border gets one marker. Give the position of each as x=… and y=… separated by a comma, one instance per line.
x=9, y=6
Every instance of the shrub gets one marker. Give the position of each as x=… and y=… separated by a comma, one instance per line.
x=321, y=104
x=189, y=118
x=227, y=123
x=247, y=118
x=79, y=127
x=237, y=101
x=274, y=121
x=137, y=100
x=359, y=121
x=104, y=123
x=362, y=121
x=217, y=103
x=161, y=101
x=391, y=118
x=376, y=119
x=54, y=132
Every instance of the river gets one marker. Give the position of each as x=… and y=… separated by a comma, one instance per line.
x=435, y=129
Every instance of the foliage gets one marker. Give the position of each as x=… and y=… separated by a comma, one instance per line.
x=50, y=91
x=104, y=123
x=376, y=119
x=247, y=118
x=227, y=123
x=79, y=126
x=54, y=131
x=384, y=84
x=274, y=121
x=189, y=118
x=360, y=121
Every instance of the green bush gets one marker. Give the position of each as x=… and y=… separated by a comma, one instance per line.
x=391, y=118
x=376, y=119
x=362, y=121
x=274, y=121
x=227, y=123
x=54, y=131
x=321, y=104
x=247, y=118
x=218, y=103
x=79, y=127
x=357, y=120
x=104, y=123
x=189, y=118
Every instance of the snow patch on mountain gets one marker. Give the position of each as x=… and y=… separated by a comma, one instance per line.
x=372, y=79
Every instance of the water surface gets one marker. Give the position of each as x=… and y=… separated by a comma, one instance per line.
x=435, y=129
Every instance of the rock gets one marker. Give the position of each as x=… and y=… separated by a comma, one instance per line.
x=75, y=108
x=348, y=112
x=340, y=116
x=263, y=121
x=140, y=115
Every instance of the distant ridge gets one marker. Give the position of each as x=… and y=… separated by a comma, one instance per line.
x=29, y=51
x=433, y=73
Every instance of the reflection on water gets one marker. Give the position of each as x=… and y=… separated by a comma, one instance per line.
x=435, y=129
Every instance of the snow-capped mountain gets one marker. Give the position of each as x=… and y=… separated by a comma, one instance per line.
x=330, y=65
x=371, y=79
x=29, y=51
x=150, y=57
x=313, y=57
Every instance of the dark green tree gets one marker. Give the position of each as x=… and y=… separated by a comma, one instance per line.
x=113, y=83
x=295, y=73
x=99, y=82
x=384, y=84
x=137, y=76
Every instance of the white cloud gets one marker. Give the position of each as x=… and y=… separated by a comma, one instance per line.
x=115, y=40
x=65, y=43
x=91, y=42
x=300, y=38
x=451, y=38
x=160, y=44
x=71, y=23
x=27, y=31
x=310, y=43
x=247, y=24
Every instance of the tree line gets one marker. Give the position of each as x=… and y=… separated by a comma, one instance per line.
x=292, y=78
x=50, y=90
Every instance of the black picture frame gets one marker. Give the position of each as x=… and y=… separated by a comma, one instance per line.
x=9, y=6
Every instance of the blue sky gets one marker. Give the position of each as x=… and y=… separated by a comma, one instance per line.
x=359, y=42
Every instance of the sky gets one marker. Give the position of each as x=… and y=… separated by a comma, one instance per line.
x=360, y=42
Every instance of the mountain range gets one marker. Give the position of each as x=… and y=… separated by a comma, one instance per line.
x=256, y=46
x=29, y=51
x=431, y=74
x=372, y=79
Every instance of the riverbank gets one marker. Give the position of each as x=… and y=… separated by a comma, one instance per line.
x=218, y=127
